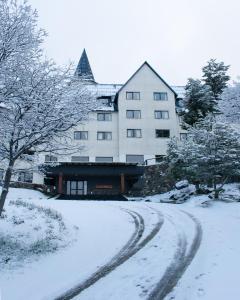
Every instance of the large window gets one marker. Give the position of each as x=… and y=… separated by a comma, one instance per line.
x=80, y=135
x=80, y=158
x=161, y=114
x=134, y=133
x=162, y=133
x=104, y=159
x=50, y=158
x=104, y=135
x=160, y=96
x=25, y=176
x=104, y=117
x=133, y=114
x=132, y=158
x=133, y=95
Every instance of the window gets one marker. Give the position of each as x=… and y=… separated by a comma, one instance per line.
x=50, y=158
x=80, y=135
x=159, y=158
x=161, y=114
x=80, y=158
x=104, y=135
x=135, y=158
x=133, y=95
x=183, y=136
x=133, y=114
x=104, y=159
x=25, y=177
x=104, y=117
x=159, y=96
x=104, y=101
x=162, y=133
x=134, y=133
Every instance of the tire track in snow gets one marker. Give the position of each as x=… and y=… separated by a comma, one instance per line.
x=131, y=248
x=180, y=262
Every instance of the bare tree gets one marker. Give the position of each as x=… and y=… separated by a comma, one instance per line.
x=39, y=102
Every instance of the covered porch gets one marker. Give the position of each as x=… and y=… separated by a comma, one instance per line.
x=76, y=180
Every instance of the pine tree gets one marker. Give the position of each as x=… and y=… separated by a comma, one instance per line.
x=210, y=154
x=199, y=101
x=202, y=98
x=229, y=105
x=215, y=76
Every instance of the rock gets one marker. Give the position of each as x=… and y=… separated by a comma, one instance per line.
x=181, y=184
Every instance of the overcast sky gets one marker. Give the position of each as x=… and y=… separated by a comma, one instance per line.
x=177, y=37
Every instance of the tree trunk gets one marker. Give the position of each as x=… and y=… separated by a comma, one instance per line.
x=5, y=188
x=215, y=189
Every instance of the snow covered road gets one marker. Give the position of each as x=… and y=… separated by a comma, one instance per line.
x=135, y=250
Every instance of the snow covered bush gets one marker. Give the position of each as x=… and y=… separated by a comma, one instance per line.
x=27, y=231
x=209, y=155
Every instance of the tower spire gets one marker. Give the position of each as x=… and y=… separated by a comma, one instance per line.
x=84, y=70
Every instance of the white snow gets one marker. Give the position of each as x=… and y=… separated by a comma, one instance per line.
x=104, y=228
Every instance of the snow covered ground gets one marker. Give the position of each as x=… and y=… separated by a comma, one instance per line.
x=190, y=250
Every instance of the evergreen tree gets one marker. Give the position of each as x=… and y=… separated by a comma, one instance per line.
x=199, y=101
x=229, y=105
x=202, y=98
x=210, y=154
x=215, y=76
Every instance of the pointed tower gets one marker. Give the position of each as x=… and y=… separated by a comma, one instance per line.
x=83, y=70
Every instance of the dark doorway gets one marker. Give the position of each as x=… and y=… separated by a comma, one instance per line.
x=76, y=187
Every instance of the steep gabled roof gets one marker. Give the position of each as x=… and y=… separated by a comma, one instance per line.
x=84, y=70
x=146, y=63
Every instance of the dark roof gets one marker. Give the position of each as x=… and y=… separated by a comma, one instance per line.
x=83, y=69
x=146, y=63
x=94, y=169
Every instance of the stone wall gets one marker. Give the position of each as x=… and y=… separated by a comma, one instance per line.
x=156, y=180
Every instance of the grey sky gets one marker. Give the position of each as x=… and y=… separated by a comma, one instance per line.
x=177, y=37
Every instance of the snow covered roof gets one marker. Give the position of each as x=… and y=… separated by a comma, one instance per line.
x=104, y=89
x=180, y=90
x=111, y=89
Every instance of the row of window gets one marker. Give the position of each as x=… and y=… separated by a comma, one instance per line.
x=102, y=159
x=107, y=135
x=134, y=114
x=157, y=96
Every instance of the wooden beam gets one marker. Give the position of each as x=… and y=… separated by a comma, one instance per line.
x=60, y=183
x=122, y=183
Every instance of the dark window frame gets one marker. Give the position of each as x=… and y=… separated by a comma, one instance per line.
x=86, y=158
x=50, y=158
x=105, y=133
x=27, y=176
x=134, y=130
x=104, y=117
x=157, y=96
x=135, y=155
x=133, y=111
x=165, y=133
x=133, y=96
x=161, y=113
x=102, y=159
x=81, y=135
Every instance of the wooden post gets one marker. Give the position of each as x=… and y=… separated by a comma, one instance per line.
x=60, y=183
x=122, y=184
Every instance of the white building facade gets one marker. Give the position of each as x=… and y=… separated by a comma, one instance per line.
x=131, y=128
